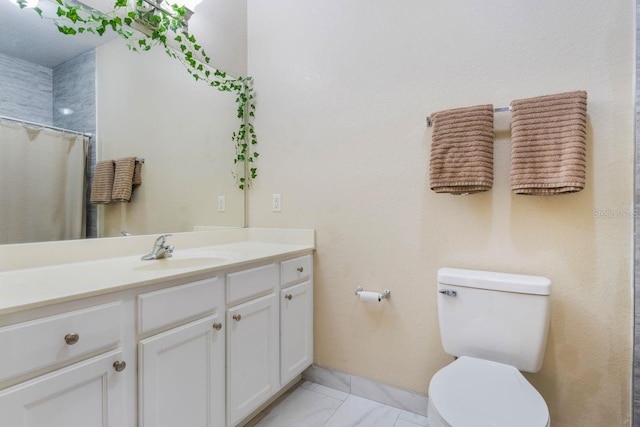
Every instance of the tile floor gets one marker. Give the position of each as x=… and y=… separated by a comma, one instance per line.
x=312, y=405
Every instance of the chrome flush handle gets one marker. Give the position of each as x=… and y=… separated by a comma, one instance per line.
x=449, y=293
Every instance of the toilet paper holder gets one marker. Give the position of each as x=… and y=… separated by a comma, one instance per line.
x=386, y=294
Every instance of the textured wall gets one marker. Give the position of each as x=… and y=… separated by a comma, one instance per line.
x=149, y=106
x=636, y=348
x=221, y=27
x=343, y=89
x=74, y=88
x=25, y=90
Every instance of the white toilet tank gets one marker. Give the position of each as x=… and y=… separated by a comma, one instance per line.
x=494, y=316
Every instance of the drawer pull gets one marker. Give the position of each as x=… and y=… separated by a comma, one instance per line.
x=300, y=269
x=217, y=326
x=119, y=365
x=288, y=296
x=71, y=338
x=237, y=317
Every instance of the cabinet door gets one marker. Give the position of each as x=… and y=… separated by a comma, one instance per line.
x=252, y=355
x=296, y=336
x=181, y=376
x=88, y=393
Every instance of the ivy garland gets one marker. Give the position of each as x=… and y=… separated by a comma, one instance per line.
x=158, y=27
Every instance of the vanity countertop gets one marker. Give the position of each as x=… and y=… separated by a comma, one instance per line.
x=28, y=288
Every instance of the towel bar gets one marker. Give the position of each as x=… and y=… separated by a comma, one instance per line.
x=497, y=110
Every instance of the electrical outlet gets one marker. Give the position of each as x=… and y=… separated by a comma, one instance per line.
x=222, y=203
x=276, y=205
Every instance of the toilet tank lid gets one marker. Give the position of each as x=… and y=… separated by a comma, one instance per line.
x=504, y=282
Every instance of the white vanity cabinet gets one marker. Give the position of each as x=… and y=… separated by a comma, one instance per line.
x=269, y=334
x=182, y=371
x=204, y=349
x=252, y=340
x=87, y=392
x=296, y=317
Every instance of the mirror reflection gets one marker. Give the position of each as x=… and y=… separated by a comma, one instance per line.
x=140, y=105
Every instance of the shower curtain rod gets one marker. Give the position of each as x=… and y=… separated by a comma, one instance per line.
x=26, y=122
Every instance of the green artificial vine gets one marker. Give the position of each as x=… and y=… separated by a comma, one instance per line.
x=157, y=27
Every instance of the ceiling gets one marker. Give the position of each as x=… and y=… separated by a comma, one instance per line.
x=24, y=35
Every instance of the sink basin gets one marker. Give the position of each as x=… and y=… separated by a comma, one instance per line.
x=207, y=252
x=177, y=263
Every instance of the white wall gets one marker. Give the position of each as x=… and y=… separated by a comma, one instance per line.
x=149, y=106
x=221, y=28
x=343, y=89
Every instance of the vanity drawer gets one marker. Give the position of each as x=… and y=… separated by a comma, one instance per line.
x=295, y=270
x=37, y=344
x=177, y=304
x=251, y=283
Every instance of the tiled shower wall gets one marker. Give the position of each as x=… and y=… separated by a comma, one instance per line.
x=74, y=89
x=39, y=94
x=26, y=90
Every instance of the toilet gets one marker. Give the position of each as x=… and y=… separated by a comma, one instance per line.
x=496, y=325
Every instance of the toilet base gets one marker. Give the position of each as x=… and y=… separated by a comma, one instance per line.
x=434, y=418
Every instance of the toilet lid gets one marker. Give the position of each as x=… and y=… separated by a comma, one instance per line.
x=473, y=392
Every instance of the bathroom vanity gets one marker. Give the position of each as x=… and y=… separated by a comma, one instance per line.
x=204, y=338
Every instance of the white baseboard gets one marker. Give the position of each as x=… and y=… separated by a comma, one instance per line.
x=363, y=387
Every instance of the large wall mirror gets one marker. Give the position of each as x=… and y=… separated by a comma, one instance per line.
x=142, y=105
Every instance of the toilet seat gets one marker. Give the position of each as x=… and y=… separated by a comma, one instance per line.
x=473, y=392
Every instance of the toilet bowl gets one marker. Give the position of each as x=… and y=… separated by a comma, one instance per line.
x=496, y=324
x=472, y=392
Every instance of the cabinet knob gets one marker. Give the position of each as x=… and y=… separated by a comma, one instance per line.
x=71, y=338
x=237, y=317
x=217, y=326
x=119, y=365
x=300, y=269
x=288, y=296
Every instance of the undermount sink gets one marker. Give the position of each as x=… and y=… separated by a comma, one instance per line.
x=207, y=252
x=180, y=262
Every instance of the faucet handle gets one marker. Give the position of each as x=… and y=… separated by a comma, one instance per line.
x=161, y=239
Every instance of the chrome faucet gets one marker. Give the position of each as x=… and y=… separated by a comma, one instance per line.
x=160, y=250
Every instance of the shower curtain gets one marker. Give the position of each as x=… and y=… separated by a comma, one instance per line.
x=42, y=183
